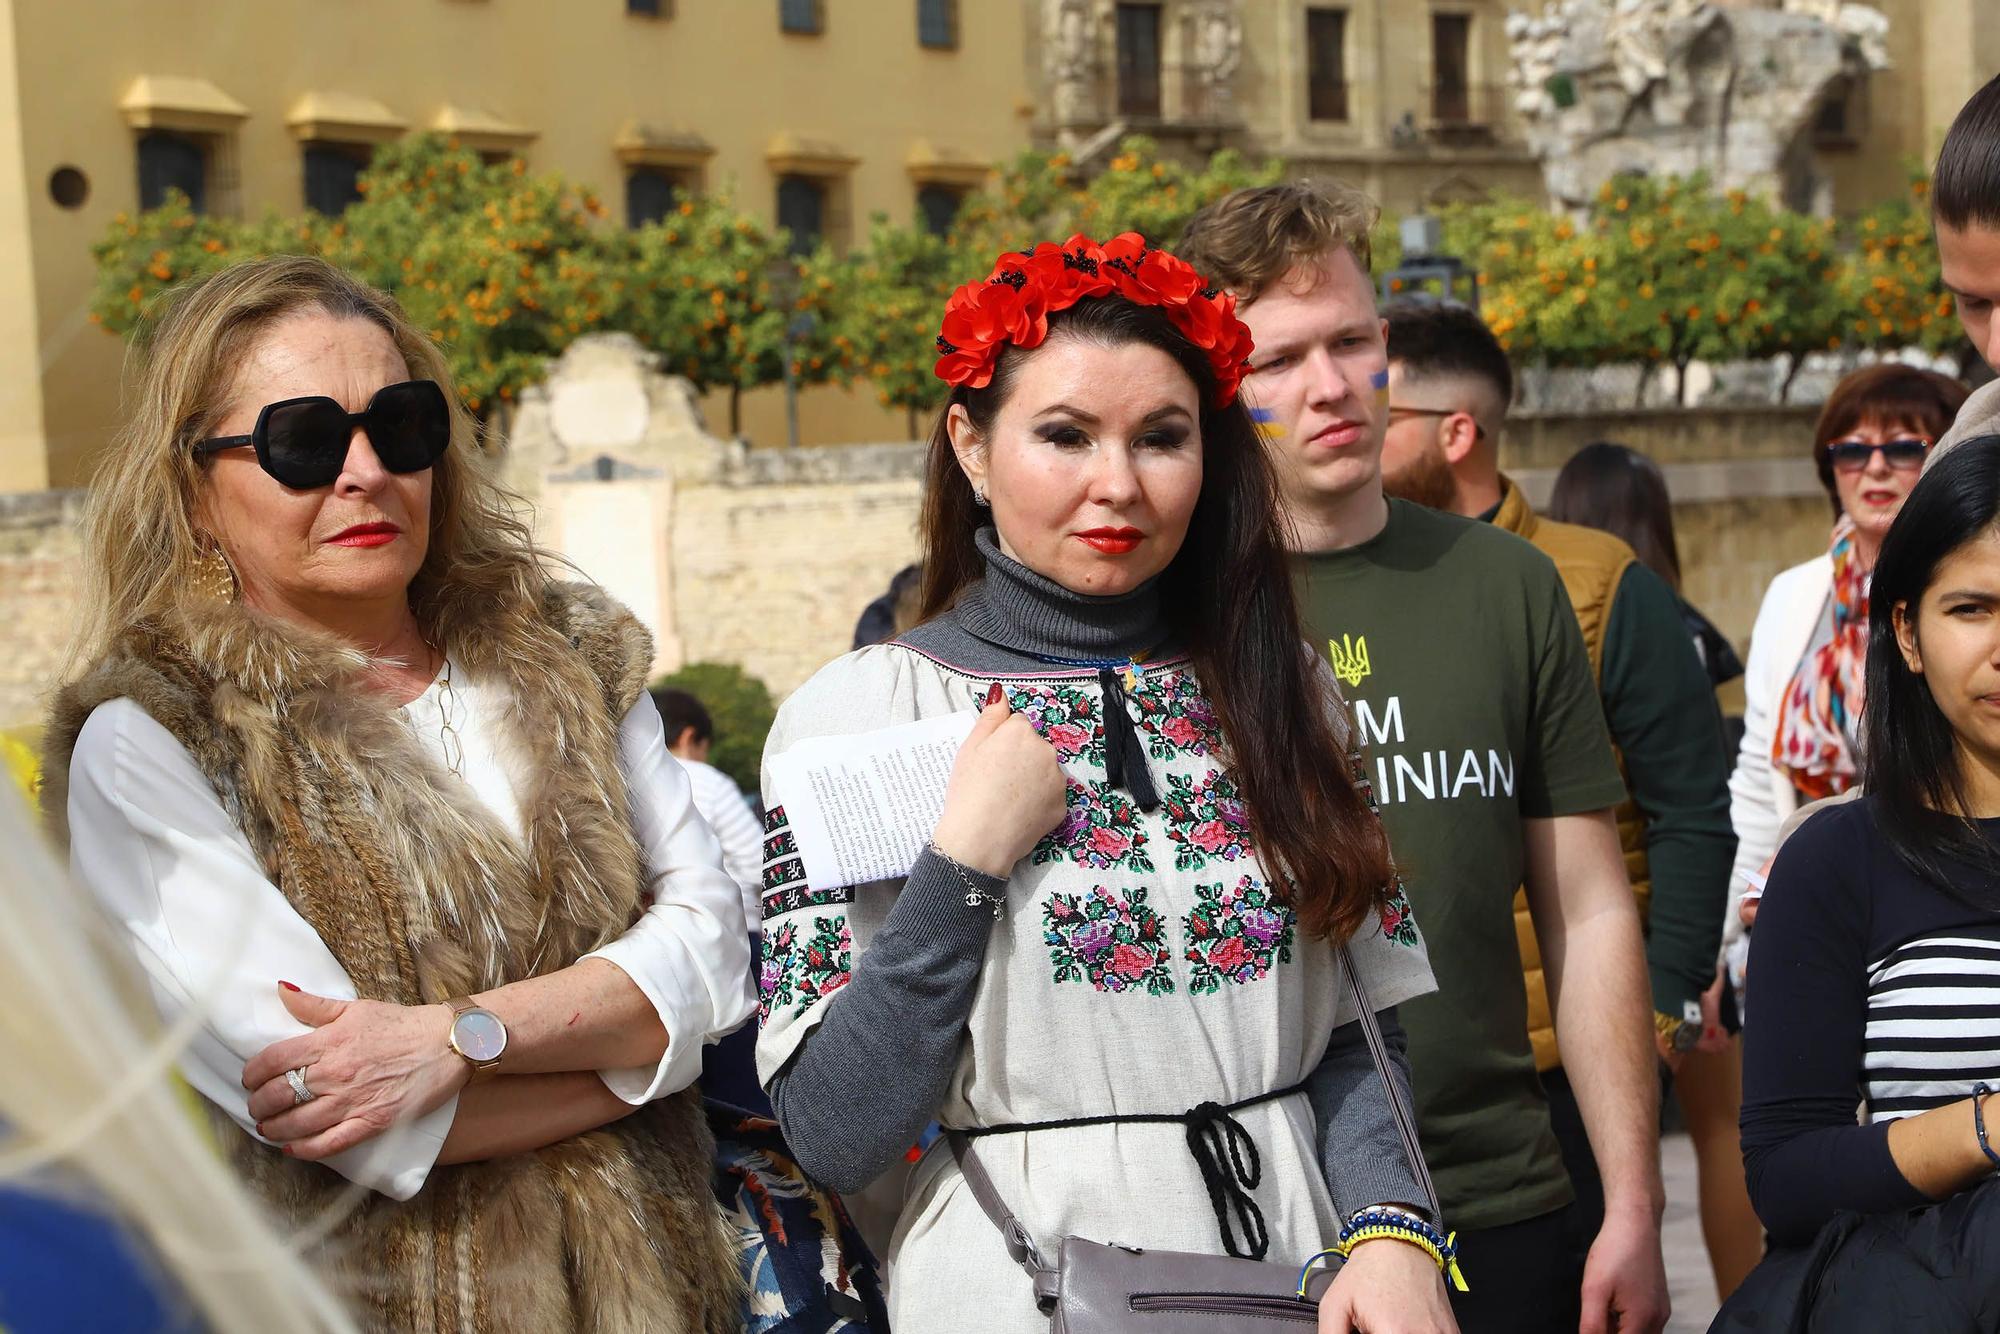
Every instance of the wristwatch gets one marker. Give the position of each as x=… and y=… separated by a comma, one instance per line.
x=477, y=1034
x=1679, y=1034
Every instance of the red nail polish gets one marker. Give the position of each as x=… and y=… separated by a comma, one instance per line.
x=286, y=985
x=993, y=694
x=287, y=1151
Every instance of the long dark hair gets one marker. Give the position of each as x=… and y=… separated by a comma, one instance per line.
x=1228, y=597
x=1910, y=753
x=1621, y=491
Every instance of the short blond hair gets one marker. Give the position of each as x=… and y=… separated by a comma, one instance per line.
x=1248, y=240
x=142, y=548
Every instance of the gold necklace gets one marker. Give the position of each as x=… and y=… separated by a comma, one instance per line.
x=448, y=738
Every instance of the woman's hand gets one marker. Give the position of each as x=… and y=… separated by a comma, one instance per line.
x=369, y=1065
x=1387, y=1287
x=1006, y=792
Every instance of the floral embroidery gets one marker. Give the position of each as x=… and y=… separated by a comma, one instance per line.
x=1206, y=820
x=1176, y=717
x=1399, y=924
x=1068, y=719
x=777, y=902
x=1100, y=831
x=1235, y=934
x=1115, y=944
x=798, y=974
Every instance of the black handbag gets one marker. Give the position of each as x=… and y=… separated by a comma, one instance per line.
x=1098, y=1288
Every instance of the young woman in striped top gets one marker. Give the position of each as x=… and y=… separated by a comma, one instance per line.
x=1877, y=951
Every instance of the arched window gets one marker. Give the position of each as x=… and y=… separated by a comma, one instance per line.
x=169, y=161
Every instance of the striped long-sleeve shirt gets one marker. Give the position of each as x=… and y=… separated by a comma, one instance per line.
x=1873, y=995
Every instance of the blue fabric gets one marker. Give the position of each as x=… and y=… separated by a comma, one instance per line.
x=66, y=1269
x=808, y=1269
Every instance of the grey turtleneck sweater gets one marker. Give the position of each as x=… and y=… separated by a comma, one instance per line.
x=866, y=1084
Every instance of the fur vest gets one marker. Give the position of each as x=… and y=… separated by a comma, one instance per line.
x=422, y=895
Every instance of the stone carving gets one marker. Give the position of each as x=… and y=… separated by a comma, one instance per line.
x=1217, y=47
x=1680, y=86
x=1070, y=58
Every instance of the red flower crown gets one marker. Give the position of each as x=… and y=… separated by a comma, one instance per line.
x=1013, y=306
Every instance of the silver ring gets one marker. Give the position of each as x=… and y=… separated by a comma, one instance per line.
x=301, y=1095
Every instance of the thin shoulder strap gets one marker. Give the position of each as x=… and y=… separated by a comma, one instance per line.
x=1406, y=1120
x=1020, y=1244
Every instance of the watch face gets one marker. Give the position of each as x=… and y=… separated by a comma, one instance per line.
x=479, y=1035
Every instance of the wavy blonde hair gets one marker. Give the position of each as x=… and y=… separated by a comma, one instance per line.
x=142, y=545
x=89, y=1101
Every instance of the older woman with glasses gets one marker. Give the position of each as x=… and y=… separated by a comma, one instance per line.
x=389, y=823
x=1802, y=690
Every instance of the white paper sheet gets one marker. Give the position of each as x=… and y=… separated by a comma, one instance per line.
x=862, y=807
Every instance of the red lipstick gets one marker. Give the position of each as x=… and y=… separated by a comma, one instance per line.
x=1113, y=541
x=366, y=535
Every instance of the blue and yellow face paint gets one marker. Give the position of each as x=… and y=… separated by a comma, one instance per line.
x=1267, y=424
x=1379, y=382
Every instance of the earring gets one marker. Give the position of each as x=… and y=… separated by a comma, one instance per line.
x=979, y=497
x=215, y=578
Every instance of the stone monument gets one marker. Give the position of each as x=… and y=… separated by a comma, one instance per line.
x=1672, y=87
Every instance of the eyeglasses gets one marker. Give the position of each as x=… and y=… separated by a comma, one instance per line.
x=303, y=441
x=1478, y=431
x=1853, y=455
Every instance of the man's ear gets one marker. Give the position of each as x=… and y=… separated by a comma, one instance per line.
x=967, y=445
x=1458, y=434
x=684, y=740
x=1906, y=637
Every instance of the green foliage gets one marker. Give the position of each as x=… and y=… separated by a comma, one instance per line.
x=740, y=706
x=504, y=268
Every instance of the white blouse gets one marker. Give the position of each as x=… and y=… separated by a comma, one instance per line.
x=152, y=842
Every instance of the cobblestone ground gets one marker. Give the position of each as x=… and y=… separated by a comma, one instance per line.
x=1688, y=1277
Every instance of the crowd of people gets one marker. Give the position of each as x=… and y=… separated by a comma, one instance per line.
x=1344, y=862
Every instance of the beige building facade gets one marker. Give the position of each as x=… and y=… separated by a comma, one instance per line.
x=1408, y=99
x=844, y=108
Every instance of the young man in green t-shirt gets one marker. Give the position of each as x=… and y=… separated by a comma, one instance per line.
x=1468, y=680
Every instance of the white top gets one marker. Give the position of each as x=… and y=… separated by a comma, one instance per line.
x=721, y=803
x=1760, y=794
x=1140, y=966
x=152, y=842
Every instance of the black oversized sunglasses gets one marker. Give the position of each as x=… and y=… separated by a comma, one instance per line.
x=303, y=441
x=1906, y=455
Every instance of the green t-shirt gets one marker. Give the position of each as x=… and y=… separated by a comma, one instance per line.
x=1468, y=682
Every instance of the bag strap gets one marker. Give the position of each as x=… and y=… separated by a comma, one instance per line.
x=1406, y=1119
x=1020, y=1244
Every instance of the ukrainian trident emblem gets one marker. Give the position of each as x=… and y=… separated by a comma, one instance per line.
x=1349, y=657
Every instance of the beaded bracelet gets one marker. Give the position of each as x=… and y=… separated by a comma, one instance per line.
x=1399, y=1225
x=974, y=896
x=1981, y=1091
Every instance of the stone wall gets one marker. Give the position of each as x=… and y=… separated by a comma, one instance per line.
x=765, y=558
x=39, y=598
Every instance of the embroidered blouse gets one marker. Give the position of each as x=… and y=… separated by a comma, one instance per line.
x=1142, y=966
x=167, y=861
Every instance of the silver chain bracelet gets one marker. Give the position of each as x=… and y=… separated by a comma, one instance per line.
x=974, y=896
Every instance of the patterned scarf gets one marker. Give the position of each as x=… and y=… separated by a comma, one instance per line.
x=1811, y=744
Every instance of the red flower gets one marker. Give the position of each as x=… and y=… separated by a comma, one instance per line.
x=1130, y=961
x=1014, y=304
x=1210, y=835
x=1109, y=842
x=1181, y=732
x=1067, y=738
x=1229, y=955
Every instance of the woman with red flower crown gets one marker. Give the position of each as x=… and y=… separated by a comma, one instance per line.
x=1115, y=970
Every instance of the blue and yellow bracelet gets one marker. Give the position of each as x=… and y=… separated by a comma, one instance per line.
x=1374, y=1224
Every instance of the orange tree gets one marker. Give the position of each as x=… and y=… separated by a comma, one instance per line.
x=1889, y=289
x=714, y=291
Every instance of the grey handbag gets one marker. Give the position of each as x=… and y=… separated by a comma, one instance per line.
x=1095, y=1288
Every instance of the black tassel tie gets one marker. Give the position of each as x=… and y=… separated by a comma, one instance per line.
x=1124, y=757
